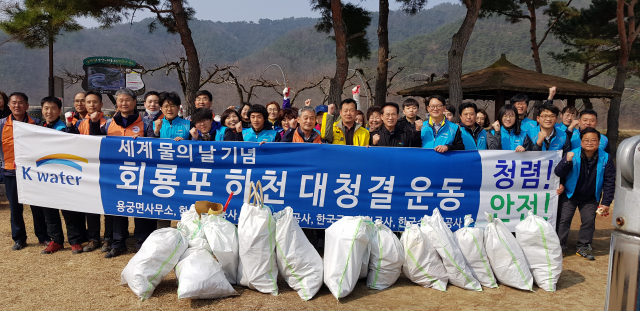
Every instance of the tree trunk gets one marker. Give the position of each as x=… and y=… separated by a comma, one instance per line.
x=534, y=40
x=51, y=82
x=193, y=76
x=383, y=54
x=456, y=52
x=342, y=62
x=614, y=109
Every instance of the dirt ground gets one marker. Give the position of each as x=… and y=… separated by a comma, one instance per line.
x=62, y=281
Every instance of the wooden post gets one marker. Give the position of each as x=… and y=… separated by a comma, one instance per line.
x=499, y=102
x=571, y=102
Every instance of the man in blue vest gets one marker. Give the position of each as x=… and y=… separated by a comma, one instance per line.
x=587, y=118
x=260, y=130
x=521, y=102
x=440, y=134
x=589, y=178
x=473, y=135
x=546, y=136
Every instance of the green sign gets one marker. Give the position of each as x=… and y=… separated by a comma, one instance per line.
x=109, y=61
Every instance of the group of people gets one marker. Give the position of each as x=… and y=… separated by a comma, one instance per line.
x=587, y=172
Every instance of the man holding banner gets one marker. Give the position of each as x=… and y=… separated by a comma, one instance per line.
x=19, y=104
x=126, y=122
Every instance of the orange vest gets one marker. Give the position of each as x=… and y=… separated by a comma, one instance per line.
x=132, y=129
x=7, y=143
x=83, y=128
x=298, y=139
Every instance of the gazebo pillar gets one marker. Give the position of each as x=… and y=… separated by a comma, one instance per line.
x=571, y=102
x=499, y=102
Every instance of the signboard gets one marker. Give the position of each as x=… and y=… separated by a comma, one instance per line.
x=107, y=75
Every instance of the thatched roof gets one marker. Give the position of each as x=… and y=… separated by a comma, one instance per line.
x=511, y=79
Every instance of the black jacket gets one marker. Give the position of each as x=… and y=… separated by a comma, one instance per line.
x=404, y=124
x=586, y=184
x=398, y=138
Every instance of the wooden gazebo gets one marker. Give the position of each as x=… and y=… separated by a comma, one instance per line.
x=502, y=80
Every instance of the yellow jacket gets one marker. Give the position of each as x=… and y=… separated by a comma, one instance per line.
x=333, y=132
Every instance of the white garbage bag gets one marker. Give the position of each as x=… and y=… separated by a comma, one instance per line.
x=155, y=259
x=201, y=277
x=505, y=255
x=189, y=221
x=364, y=269
x=471, y=242
x=191, y=224
x=422, y=264
x=346, y=243
x=541, y=247
x=257, y=267
x=386, y=257
x=298, y=261
x=222, y=237
x=442, y=239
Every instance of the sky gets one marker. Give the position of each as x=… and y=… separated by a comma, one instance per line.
x=254, y=10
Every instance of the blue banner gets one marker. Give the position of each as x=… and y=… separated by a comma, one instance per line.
x=160, y=178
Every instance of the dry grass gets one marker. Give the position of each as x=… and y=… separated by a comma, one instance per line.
x=62, y=281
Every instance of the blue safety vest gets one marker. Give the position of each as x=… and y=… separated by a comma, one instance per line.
x=178, y=127
x=220, y=133
x=509, y=140
x=249, y=134
x=561, y=127
x=59, y=126
x=445, y=135
x=576, y=141
x=527, y=124
x=470, y=143
x=572, y=178
x=556, y=143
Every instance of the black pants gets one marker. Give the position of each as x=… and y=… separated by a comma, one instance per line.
x=143, y=228
x=18, y=229
x=76, y=232
x=567, y=208
x=93, y=227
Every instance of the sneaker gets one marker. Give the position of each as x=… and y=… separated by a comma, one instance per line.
x=19, y=245
x=76, y=249
x=583, y=252
x=106, y=246
x=52, y=248
x=114, y=252
x=91, y=246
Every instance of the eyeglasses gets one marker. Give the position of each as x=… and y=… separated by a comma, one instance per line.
x=508, y=116
x=549, y=117
x=435, y=107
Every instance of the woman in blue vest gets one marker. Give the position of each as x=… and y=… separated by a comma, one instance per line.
x=506, y=133
x=170, y=126
x=260, y=130
x=590, y=179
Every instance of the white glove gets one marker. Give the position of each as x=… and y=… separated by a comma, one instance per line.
x=355, y=90
x=285, y=92
x=68, y=116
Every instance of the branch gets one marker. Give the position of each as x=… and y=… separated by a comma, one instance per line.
x=546, y=33
x=357, y=35
x=609, y=66
x=71, y=78
x=211, y=74
x=311, y=85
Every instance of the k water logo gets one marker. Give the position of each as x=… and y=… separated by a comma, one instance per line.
x=65, y=159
